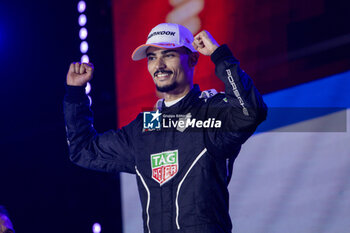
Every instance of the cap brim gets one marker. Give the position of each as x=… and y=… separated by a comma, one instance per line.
x=140, y=52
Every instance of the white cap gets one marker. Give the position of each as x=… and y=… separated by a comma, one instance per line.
x=165, y=35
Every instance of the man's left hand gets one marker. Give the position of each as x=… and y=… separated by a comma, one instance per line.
x=205, y=43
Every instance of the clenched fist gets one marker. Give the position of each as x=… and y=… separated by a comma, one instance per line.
x=205, y=43
x=79, y=74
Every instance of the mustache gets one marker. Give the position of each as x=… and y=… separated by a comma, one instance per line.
x=162, y=71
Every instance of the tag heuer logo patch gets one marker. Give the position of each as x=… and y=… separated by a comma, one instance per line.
x=164, y=166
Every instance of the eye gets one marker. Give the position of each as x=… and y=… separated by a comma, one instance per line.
x=150, y=58
x=170, y=55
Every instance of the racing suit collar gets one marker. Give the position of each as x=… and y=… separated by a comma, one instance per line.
x=185, y=103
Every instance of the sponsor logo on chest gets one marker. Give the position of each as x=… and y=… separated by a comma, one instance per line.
x=165, y=166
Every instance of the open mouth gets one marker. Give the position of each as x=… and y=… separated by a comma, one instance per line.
x=162, y=74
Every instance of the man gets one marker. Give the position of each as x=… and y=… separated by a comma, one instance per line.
x=182, y=168
x=5, y=222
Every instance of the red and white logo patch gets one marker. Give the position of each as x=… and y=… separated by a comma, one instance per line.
x=164, y=166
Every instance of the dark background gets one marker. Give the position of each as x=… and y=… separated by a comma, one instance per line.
x=42, y=190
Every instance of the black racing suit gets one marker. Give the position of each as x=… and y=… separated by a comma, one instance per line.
x=182, y=175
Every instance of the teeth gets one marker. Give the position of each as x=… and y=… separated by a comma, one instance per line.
x=162, y=75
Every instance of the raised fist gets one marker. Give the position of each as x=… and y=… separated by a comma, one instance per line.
x=79, y=74
x=205, y=43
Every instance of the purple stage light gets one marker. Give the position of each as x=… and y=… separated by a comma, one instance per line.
x=87, y=88
x=85, y=59
x=84, y=47
x=83, y=33
x=90, y=99
x=82, y=20
x=96, y=228
x=81, y=6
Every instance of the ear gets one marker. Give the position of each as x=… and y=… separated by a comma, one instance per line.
x=193, y=59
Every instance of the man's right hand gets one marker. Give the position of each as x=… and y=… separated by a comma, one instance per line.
x=79, y=74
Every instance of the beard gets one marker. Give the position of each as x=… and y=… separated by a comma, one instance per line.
x=167, y=88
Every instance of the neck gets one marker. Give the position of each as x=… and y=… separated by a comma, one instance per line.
x=178, y=93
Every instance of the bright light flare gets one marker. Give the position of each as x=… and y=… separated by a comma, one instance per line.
x=83, y=33
x=96, y=228
x=85, y=59
x=87, y=88
x=81, y=6
x=82, y=20
x=84, y=47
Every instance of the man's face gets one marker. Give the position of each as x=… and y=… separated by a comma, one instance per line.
x=170, y=69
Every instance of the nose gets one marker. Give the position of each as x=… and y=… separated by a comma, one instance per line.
x=160, y=64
